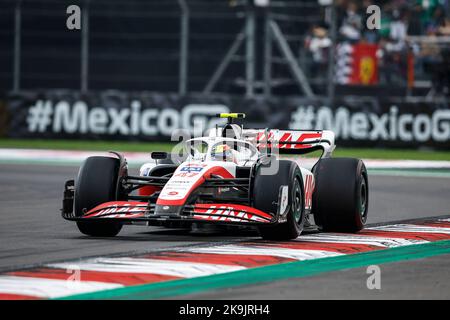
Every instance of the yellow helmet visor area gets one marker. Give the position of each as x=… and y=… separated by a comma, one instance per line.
x=221, y=148
x=232, y=115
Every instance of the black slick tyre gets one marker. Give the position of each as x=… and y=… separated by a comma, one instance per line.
x=341, y=196
x=265, y=198
x=96, y=183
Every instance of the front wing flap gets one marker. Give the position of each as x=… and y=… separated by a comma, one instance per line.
x=136, y=211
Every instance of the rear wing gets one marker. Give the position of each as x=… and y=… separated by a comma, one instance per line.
x=291, y=141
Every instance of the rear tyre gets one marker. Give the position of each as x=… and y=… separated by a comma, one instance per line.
x=96, y=183
x=341, y=197
x=266, y=192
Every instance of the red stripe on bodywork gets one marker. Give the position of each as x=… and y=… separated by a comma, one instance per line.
x=345, y=248
x=126, y=208
x=309, y=189
x=405, y=235
x=127, y=279
x=287, y=137
x=148, y=190
x=248, y=261
x=203, y=207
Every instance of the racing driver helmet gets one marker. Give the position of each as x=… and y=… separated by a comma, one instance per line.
x=223, y=152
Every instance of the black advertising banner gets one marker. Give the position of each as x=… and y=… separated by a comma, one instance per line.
x=147, y=116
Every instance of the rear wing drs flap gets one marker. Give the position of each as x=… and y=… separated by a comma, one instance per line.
x=292, y=141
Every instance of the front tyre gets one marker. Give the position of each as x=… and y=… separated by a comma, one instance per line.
x=341, y=196
x=265, y=196
x=96, y=183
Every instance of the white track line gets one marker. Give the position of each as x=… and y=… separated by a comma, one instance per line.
x=411, y=228
x=359, y=239
x=149, y=266
x=266, y=251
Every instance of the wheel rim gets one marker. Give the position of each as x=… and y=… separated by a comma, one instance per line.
x=363, y=197
x=297, y=202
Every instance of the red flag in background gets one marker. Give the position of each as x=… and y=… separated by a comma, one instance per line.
x=364, y=64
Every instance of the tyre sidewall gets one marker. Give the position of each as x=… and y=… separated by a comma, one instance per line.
x=96, y=184
x=337, y=198
x=266, y=193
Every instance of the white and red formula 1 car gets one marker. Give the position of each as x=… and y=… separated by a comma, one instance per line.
x=230, y=176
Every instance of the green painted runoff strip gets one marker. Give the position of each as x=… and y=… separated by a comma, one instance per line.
x=411, y=172
x=269, y=273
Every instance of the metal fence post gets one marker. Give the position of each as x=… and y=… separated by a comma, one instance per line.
x=224, y=62
x=267, y=55
x=85, y=47
x=250, y=52
x=17, y=48
x=184, y=48
x=331, y=53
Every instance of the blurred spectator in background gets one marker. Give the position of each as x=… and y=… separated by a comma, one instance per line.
x=369, y=36
x=393, y=49
x=318, y=43
x=398, y=28
x=434, y=60
x=444, y=29
x=441, y=79
x=437, y=19
x=428, y=56
x=398, y=54
x=392, y=62
x=351, y=27
x=426, y=9
x=386, y=20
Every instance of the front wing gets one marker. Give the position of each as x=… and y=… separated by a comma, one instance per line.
x=129, y=212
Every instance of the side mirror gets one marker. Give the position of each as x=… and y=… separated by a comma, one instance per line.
x=159, y=155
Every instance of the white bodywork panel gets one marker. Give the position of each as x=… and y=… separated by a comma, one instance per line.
x=191, y=174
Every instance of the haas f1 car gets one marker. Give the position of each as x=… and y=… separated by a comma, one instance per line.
x=230, y=176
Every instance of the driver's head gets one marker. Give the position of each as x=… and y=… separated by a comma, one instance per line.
x=222, y=152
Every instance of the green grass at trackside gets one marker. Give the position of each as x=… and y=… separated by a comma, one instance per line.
x=392, y=154
x=153, y=146
x=93, y=145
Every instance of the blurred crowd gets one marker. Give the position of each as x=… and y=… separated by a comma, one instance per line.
x=420, y=28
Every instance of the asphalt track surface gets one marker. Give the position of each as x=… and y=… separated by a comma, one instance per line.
x=33, y=232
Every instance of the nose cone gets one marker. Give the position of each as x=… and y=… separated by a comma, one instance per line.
x=168, y=210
